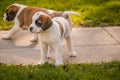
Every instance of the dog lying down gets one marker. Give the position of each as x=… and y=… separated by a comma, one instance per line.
x=51, y=32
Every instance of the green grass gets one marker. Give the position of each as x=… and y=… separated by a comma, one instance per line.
x=84, y=71
x=93, y=12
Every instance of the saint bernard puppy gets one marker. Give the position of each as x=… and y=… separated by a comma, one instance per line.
x=51, y=32
x=22, y=17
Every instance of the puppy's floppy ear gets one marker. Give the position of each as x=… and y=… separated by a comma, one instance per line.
x=46, y=22
x=11, y=12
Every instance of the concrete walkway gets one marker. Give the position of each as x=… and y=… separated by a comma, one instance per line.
x=92, y=45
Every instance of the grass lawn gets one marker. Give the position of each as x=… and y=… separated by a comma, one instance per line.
x=93, y=12
x=83, y=71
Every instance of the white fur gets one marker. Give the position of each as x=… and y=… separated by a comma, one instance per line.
x=51, y=38
x=70, y=13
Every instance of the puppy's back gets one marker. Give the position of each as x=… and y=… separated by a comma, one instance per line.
x=63, y=21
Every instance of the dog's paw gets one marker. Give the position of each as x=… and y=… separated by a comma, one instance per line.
x=73, y=54
x=58, y=63
x=34, y=39
x=41, y=62
x=6, y=37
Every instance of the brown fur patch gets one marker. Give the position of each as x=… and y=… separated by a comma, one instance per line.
x=25, y=17
x=11, y=12
x=12, y=8
x=46, y=22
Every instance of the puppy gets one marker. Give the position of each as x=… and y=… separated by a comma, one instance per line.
x=52, y=32
x=22, y=17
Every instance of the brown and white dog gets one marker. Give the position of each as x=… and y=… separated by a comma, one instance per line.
x=22, y=17
x=52, y=31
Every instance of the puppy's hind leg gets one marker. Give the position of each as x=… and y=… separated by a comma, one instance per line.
x=70, y=46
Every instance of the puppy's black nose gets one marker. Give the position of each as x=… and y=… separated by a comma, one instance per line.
x=31, y=28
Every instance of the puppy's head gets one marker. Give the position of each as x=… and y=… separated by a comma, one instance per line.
x=40, y=22
x=11, y=12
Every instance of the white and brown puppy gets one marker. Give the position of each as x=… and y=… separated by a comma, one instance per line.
x=22, y=16
x=52, y=32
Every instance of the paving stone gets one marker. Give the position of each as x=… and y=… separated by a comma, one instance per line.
x=91, y=36
x=84, y=54
x=114, y=32
x=92, y=45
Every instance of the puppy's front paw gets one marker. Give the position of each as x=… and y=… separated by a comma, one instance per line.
x=41, y=62
x=34, y=39
x=6, y=37
x=58, y=63
x=73, y=54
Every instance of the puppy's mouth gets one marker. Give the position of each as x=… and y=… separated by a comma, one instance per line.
x=32, y=31
x=38, y=32
x=35, y=32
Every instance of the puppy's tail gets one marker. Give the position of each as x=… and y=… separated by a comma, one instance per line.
x=71, y=13
x=66, y=15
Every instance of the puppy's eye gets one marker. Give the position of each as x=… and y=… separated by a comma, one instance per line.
x=38, y=23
